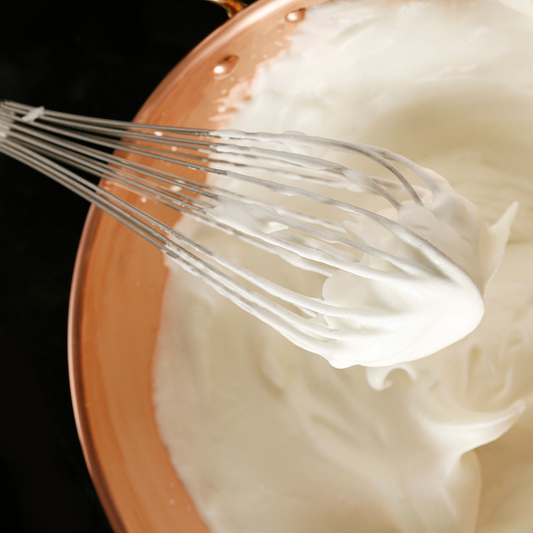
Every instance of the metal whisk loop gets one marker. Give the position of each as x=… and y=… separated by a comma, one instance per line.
x=50, y=142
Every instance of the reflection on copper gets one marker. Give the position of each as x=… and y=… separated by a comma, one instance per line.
x=295, y=16
x=232, y=7
x=224, y=67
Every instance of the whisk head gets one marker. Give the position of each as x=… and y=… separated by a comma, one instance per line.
x=399, y=269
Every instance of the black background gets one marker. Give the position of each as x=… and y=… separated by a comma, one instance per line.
x=96, y=58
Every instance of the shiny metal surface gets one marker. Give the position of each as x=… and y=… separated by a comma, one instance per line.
x=232, y=7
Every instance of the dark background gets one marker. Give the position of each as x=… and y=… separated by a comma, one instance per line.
x=96, y=58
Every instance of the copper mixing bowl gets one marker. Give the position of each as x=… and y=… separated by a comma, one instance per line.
x=118, y=285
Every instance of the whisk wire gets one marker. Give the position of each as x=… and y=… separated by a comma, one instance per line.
x=46, y=141
x=316, y=256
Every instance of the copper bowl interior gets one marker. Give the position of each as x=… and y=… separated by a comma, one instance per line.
x=118, y=284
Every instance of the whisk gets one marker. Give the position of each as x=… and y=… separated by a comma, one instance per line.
x=372, y=252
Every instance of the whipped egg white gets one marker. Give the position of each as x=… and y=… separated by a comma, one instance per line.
x=271, y=439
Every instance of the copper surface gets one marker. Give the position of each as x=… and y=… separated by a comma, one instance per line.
x=232, y=7
x=118, y=285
